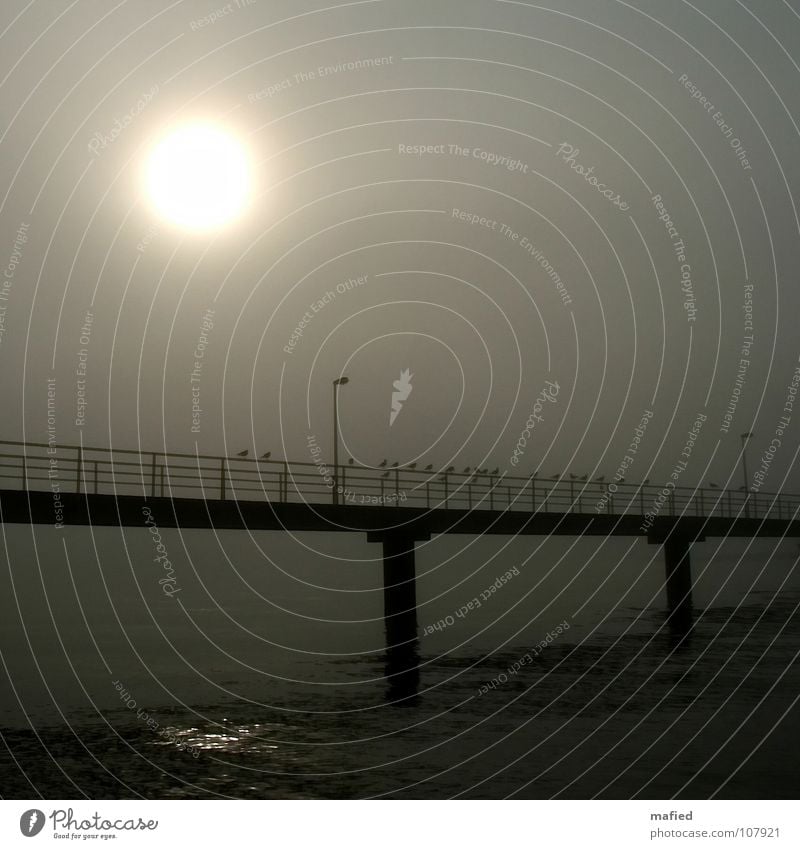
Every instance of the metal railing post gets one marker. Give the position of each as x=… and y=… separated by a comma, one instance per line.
x=79, y=470
x=222, y=479
x=95, y=477
x=153, y=476
x=24, y=473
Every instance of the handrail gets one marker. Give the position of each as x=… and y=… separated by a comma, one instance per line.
x=78, y=468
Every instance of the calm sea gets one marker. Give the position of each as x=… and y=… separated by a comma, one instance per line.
x=111, y=690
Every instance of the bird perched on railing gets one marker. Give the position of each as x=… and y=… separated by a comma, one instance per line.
x=429, y=467
x=466, y=471
x=266, y=455
x=243, y=453
x=351, y=461
x=496, y=471
x=600, y=479
x=383, y=464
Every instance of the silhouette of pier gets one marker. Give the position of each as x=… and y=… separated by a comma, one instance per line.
x=75, y=485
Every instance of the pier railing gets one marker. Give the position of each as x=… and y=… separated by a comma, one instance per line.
x=70, y=468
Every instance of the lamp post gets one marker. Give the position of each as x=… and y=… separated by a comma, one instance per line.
x=745, y=437
x=340, y=381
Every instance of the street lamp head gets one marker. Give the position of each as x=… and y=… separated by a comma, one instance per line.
x=340, y=381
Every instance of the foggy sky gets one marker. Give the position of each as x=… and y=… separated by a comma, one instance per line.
x=476, y=318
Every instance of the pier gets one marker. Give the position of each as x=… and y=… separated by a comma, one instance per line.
x=56, y=485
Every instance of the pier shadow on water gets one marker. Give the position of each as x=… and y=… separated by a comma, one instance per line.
x=402, y=669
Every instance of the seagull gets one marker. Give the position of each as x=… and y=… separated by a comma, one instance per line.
x=585, y=477
x=395, y=465
x=412, y=466
x=381, y=465
x=466, y=471
x=242, y=453
x=555, y=477
x=451, y=469
x=713, y=485
x=496, y=471
x=385, y=475
x=351, y=461
x=600, y=479
x=429, y=468
x=645, y=481
x=266, y=456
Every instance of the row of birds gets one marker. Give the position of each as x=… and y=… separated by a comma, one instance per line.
x=468, y=470
x=383, y=465
x=429, y=468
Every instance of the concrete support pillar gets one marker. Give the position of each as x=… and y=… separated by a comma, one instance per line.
x=400, y=610
x=678, y=582
x=399, y=589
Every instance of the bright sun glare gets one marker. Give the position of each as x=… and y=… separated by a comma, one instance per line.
x=198, y=177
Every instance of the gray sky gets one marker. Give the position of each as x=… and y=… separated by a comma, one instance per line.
x=466, y=307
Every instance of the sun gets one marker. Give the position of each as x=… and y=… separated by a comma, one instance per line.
x=198, y=177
